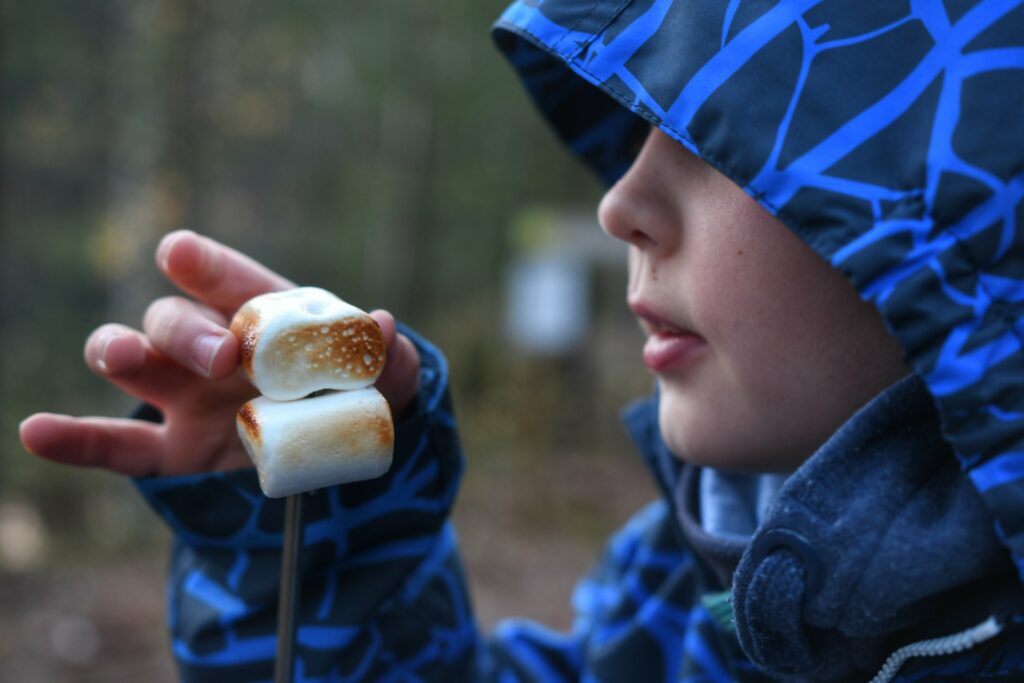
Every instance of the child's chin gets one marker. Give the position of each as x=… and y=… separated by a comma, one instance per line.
x=717, y=450
x=697, y=433
x=692, y=436
x=688, y=446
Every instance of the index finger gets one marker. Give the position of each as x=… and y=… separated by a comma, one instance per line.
x=214, y=273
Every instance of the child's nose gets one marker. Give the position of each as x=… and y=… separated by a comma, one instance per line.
x=619, y=217
x=634, y=210
x=631, y=212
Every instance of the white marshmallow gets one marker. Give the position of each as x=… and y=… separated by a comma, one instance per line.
x=319, y=441
x=304, y=340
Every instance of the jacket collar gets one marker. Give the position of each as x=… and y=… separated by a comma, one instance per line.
x=879, y=529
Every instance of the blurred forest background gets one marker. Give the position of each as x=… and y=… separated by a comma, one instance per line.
x=381, y=150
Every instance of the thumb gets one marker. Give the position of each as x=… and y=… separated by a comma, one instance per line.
x=400, y=381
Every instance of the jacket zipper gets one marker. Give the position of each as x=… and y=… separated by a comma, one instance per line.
x=937, y=647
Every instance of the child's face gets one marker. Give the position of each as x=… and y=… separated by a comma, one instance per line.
x=760, y=348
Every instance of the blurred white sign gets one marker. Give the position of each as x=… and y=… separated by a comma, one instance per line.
x=548, y=290
x=548, y=304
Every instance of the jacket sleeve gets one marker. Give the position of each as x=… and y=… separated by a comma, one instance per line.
x=631, y=617
x=382, y=590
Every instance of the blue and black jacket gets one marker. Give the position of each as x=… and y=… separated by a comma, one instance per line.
x=888, y=137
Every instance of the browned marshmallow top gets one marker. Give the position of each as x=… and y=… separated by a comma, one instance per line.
x=305, y=340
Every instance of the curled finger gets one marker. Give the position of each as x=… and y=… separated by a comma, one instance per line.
x=127, y=359
x=193, y=336
x=399, y=383
x=213, y=273
x=115, y=350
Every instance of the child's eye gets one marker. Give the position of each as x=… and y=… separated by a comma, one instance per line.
x=636, y=141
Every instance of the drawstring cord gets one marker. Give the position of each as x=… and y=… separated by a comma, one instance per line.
x=936, y=647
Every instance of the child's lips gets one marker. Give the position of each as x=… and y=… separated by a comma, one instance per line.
x=667, y=350
x=668, y=347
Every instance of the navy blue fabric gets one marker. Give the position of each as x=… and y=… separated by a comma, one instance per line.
x=895, y=528
x=885, y=134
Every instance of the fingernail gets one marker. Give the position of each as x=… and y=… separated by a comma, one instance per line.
x=164, y=250
x=101, y=357
x=204, y=350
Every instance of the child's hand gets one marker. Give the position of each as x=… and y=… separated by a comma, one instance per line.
x=185, y=362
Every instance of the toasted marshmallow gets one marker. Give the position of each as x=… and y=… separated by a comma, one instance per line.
x=304, y=340
x=333, y=438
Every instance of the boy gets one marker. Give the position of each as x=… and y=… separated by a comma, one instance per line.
x=815, y=524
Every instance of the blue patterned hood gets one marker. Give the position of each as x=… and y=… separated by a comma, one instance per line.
x=888, y=135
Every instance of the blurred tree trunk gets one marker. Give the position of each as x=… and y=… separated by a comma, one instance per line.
x=130, y=220
x=399, y=206
x=185, y=104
